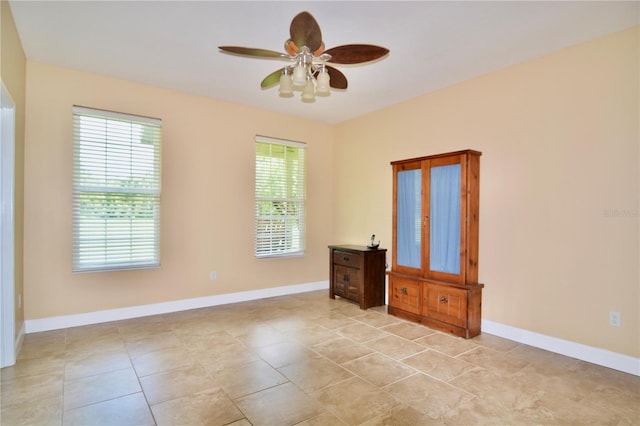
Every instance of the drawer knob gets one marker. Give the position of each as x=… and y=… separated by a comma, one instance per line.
x=346, y=278
x=443, y=299
x=404, y=290
x=346, y=259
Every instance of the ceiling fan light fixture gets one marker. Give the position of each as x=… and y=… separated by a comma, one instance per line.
x=310, y=69
x=286, y=84
x=322, y=86
x=309, y=93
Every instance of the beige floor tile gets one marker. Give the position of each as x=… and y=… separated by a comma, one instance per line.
x=408, y=330
x=177, y=383
x=395, y=347
x=428, y=395
x=92, y=331
x=480, y=412
x=333, y=320
x=46, y=336
x=262, y=336
x=127, y=410
x=324, y=419
x=42, y=348
x=438, y=365
x=202, y=343
x=38, y=412
x=336, y=365
x=138, y=347
x=162, y=360
x=584, y=412
x=231, y=357
x=545, y=362
x=100, y=387
x=403, y=415
x=498, y=390
x=313, y=335
x=33, y=367
x=314, y=373
x=31, y=388
x=211, y=407
x=494, y=342
x=96, y=344
x=285, y=353
x=346, y=308
x=376, y=319
x=142, y=329
x=90, y=364
x=289, y=322
x=241, y=422
x=281, y=405
x=499, y=362
x=378, y=369
x=569, y=385
x=197, y=327
x=248, y=378
x=618, y=402
x=341, y=350
x=446, y=344
x=361, y=332
x=355, y=401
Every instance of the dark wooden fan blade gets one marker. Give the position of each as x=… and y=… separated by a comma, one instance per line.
x=337, y=80
x=253, y=52
x=272, y=79
x=305, y=31
x=355, y=53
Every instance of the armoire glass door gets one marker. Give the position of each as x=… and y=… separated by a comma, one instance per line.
x=444, y=219
x=409, y=218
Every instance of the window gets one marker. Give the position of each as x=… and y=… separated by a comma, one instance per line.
x=116, y=191
x=280, y=197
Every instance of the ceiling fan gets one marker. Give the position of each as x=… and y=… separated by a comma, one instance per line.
x=309, y=70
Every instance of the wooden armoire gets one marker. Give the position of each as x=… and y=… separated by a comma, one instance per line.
x=434, y=271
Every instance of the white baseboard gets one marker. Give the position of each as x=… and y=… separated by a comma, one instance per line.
x=603, y=357
x=590, y=354
x=75, y=320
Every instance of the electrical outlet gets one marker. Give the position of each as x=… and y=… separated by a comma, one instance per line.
x=614, y=319
x=213, y=275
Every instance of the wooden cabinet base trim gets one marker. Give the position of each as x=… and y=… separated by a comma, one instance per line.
x=465, y=333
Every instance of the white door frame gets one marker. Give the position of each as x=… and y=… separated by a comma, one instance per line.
x=7, y=229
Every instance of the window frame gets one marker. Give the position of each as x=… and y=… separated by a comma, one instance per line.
x=295, y=228
x=116, y=190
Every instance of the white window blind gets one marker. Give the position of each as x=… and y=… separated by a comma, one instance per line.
x=116, y=190
x=280, y=197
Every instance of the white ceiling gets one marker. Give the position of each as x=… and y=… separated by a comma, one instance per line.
x=173, y=44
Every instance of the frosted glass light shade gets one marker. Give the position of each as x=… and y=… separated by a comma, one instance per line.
x=286, y=86
x=308, y=94
x=299, y=75
x=322, y=88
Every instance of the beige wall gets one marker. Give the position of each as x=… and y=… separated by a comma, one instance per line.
x=207, y=196
x=559, y=244
x=12, y=72
x=560, y=185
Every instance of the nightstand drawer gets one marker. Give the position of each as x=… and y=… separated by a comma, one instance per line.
x=353, y=260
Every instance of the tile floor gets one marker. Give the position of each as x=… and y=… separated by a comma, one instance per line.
x=301, y=360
